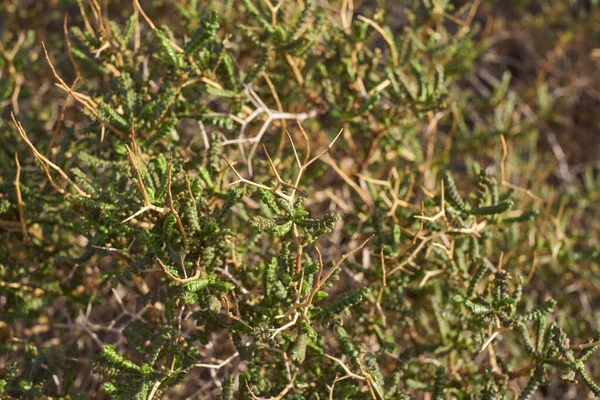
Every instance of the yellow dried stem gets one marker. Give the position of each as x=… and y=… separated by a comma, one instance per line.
x=149, y=21
x=180, y=280
x=47, y=163
x=82, y=99
x=383, y=286
x=142, y=188
x=321, y=281
x=20, y=199
x=386, y=37
x=86, y=21
x=61, y=117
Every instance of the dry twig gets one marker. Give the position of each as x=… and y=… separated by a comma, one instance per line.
x=48, y=164
x=181, y=280
x=20, y=199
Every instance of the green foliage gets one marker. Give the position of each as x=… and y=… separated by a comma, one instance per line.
x=151, y=248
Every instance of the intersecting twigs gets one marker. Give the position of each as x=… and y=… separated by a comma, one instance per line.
x=373, y=388
x=441, y=214
x=46, y=164
x=393, y=189
x=493, y=335
x=87, y=102
x=273, y=10
x=317, y=286
x=301, y=169
x=275, y=190
x=181, y=280
x=241, y=179
x=99, y=19
x=416, y=250
x=300, y=244
x=282, y=328
x=345, y=368
x=307, y=162
x=364, y=195
x=235, y=306
x=147, y=205
x=271, y=115
x=322, y=280
x=475, y=230
x=280, y=182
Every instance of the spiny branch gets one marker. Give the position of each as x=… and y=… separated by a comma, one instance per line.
x=45, y=162
x=181, y=280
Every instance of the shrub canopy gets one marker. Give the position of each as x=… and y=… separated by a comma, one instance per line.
x=298, y=199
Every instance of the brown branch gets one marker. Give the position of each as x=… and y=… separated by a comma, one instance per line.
x=362, y=193
x=181, y=280
x=277, y=176
x=68, y=42
x=255, y=184
x=279, y=396
x=139, y=176
x=9, y=56
x=228, y=307
x=171, y=204
x=20, y=199
x=345, y=368
x=47, y=163
x=320, y=282
x=86, y=21
x=415, y=251
x=386, y=37
x=383, y=285
x=149, y=21
x=82, y=99
x=584, y=346
x=147, y=205
x=61, y=117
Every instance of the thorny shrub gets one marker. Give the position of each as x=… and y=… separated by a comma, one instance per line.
x=289, y=200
